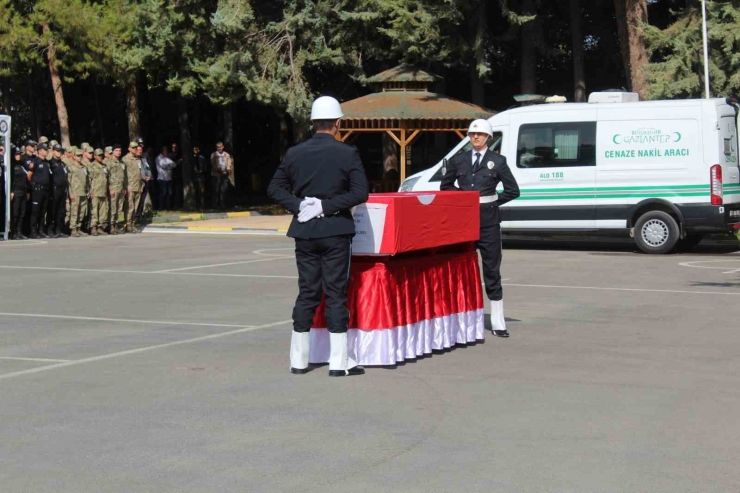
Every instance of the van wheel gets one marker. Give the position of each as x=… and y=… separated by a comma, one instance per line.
x=656, y=232
x=687, y=244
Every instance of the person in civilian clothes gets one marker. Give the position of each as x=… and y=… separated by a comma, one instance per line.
x=481, y=170
x=319, y=181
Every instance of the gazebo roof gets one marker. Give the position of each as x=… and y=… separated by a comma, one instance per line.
x=403, y=73
x=411, y=105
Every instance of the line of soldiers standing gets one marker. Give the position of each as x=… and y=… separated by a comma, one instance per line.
x=76, y=189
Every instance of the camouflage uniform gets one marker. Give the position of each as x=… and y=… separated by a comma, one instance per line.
x=133, y=178
x=78, y=190
x=99, y=192
x=117, y=184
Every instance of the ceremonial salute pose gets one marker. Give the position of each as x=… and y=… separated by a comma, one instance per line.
x=319, y=181
x=481, y=170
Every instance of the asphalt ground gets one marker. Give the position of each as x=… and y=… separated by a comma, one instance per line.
x=159, y=363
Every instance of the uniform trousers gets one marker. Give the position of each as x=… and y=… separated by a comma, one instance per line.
x=133, y=204
x=57, y=209
x=78, y=211
x=323, y=266
x=116, y=207
x=39, y=206
x=489, y=246
x=18, y=211
x=99, y=212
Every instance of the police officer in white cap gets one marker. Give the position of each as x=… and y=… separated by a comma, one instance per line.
x=319, y=181
x=481, y=170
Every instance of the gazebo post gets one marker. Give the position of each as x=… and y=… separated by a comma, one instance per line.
x=403, y=151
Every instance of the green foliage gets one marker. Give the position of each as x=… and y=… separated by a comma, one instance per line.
x=677, y=68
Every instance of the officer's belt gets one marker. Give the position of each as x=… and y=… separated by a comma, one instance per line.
x=489, y=198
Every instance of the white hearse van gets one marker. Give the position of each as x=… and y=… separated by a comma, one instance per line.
x=667, y=171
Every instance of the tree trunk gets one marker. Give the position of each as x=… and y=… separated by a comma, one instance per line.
x=132, y=110
x=56, y=85
x=576, y=33
x=528, y=75
x=630, y=15
x=188, y=195
x=477, y=89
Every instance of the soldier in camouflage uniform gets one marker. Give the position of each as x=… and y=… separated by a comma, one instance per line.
x=78, y=194
x=87, y=159
x=98, y=194
x=68, y=160
x=117, y=185
x=133, y=179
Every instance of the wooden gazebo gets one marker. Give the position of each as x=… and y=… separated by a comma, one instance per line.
x=403, y=107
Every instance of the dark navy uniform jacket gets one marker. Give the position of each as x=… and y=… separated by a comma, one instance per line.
x=484, y=180
x=20, y=179
x=41, y=172
x=58, y=172
x=324, y=168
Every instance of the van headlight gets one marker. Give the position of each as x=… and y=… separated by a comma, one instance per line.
x=408, y=185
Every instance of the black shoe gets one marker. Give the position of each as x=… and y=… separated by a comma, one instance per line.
x=34, y=235
x=357, y=370
x=299, y=371
x=43, y=235
x=61, y=234
x=501, y=333
x=21, y=236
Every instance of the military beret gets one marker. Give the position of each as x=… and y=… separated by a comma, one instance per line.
x=133, y=145
x=78, y=152
x=108, y=150
x=116, y=146
x=88, y=149
x=43, y=146
x=58, y=148
x=99, y=152
x=43, y=140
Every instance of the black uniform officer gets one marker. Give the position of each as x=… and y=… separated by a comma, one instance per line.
x=319, y=181
x=40, y=185
x=481, y=170
x=55, y=217
x=19, y=191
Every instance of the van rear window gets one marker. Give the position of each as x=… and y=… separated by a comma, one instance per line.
x=554, y=145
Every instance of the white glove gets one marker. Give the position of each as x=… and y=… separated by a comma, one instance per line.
x=306, y=202
x=312, y=210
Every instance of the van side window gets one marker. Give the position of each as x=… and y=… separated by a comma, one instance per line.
x=494, y=144
x=549, y=145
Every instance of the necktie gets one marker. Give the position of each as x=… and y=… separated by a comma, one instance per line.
x=477, y=162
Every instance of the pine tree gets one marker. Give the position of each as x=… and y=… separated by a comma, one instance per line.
x=676, y=69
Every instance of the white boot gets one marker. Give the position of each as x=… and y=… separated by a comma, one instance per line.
x=498, y=322
x=340, y=364
x=299, y=345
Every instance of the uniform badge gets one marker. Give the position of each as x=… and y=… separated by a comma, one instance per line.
x=490, y=164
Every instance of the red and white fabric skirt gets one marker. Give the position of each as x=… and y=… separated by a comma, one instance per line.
x=407, y=306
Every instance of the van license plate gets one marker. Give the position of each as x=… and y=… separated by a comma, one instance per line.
x=735, y=213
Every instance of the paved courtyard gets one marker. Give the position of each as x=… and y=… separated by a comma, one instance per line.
x=159, y=363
